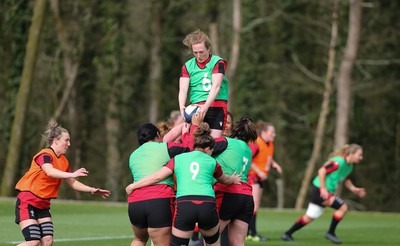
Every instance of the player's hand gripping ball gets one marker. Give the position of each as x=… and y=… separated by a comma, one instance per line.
x=189, y=112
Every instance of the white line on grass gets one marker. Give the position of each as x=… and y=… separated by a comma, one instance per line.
x=82, y=239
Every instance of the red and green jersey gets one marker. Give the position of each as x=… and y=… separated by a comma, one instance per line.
x=337, y=169
x=201, y=80
x=152, y=156
x=148, y=159
x=235, y=158
x=195, y=172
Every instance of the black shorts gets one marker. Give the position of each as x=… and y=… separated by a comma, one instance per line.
x=25, y=211
x=154, y=213
x=235, y=206
x=195, y=209
x=216, y=118
x=316, y=199
x=315, y=196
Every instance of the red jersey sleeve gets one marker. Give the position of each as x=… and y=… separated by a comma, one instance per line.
x=254, y=149
x=184, y=72
x=170, y=164
x=175, y=149
x=187, y=138
x=331, y=167
x=221, y=144
x=218, y=171
x=43, y=158
x=220, y=67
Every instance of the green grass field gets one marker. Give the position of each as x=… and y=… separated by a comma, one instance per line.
x=103, y=223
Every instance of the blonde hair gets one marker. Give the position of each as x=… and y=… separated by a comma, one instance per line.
x=346, y=150
x=263, y=126
x=197, y=37
x=53, y=131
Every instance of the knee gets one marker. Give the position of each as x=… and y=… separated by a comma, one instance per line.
x=307, y=219
x=178, y=241
x=47, y=241
x=344, y=208
x=31, y=243
x=211, y=239
x=314, y=211
x=140, y=240
x=47, y=232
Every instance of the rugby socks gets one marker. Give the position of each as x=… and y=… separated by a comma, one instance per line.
x=195, y=235
x=299, y=224
x=252, y=226
x=335, y=221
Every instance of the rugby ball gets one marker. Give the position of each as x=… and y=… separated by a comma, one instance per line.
x=189, y=112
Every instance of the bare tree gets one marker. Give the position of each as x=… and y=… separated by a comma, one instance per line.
x=213, y=26
x=113, y=124
x=234, y=57
x=71, y=43
x=344, y=76
x=319, y=135
x=71, y=54
x=14, y=148
x=155, y=61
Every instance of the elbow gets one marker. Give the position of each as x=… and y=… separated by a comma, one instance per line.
x=49, y=173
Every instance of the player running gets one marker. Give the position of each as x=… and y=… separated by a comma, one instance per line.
x=41, y=183
x=330, y=175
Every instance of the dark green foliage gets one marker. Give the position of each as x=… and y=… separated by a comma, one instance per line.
x=279, y=41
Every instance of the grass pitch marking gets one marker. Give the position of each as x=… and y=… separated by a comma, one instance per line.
x=82, y=239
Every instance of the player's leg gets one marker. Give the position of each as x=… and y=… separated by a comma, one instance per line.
x=257, y=196
x=237, y=232
x=160, y=220
x=26, y=218
x=160, y=236
x=341, y=209
x=184, y=222
x=31, y=231
x=239, y=223
x=180, y=237
x=315, y=209
x=223, y=204
x=216, y=119
x=209, y=223
x=211, y=236
x=46, y=230
x=224, y=238
x=141, y=236
x=313, y=212
x=138, y=220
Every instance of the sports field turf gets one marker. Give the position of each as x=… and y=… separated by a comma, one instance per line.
x=103, y=223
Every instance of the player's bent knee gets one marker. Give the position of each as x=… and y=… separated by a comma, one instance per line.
x=338, y=203
x=314, y=211
x=32, y=233
x=177, y=241
x=212, y=239
x=47, y=241
x=47, y=229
